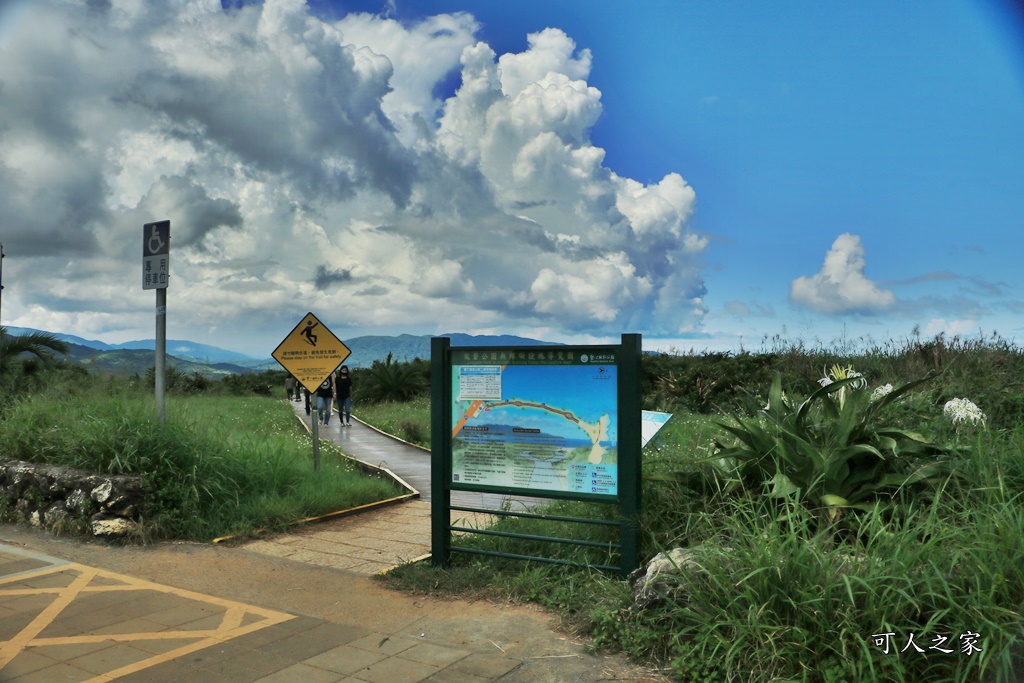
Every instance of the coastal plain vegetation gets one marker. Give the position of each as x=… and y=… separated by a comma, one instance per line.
x=858, y=510
x=851, y=519
x=230, y=459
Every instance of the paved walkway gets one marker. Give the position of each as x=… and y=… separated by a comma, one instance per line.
x=62, y=621
x=411, y=463
x=381, y=539
x=81, y=612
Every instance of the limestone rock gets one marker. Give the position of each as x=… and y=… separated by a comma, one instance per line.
x=76, y=500
x=670, y=574
x=111, y=527
x=55, y=514
x=102, y=492
x=50, y=496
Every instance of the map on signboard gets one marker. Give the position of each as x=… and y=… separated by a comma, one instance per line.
x=537, y=427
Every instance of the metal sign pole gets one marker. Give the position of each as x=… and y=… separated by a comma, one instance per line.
x=161, y=353
x=440, y=450
x=315, y=426
x=156, y=242
x=630, y=372
x=1, y=282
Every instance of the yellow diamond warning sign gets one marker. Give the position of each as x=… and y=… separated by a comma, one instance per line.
x=311, y=352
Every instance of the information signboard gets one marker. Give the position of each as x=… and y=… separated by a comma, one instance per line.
x=559, y=422
x=541, y=421
x=311, y=352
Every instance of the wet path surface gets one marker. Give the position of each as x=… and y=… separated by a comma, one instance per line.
x=409, y=462
x=377, y=540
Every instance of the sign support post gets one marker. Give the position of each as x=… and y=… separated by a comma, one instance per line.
x=629, y=449
x=161, y=354
x=156, y=242
x=314, y=426
x=311, y=353
x=440, y=452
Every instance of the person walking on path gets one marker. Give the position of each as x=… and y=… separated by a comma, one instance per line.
x=289, y=386
x=325, y=395
x=344, y=394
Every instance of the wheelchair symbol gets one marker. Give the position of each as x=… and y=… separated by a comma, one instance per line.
x=154, y=244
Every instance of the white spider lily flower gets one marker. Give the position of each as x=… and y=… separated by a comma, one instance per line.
x=881, y=392
x=962, y=410
x=838, y=372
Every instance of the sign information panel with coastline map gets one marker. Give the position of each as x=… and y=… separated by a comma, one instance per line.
x=543, y=420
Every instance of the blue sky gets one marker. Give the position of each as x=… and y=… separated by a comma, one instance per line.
x=704, y=173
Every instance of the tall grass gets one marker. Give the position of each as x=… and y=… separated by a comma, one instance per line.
x=779, y=596
x=777, y=599
x=408, y=420
x=774, y=602
x=219, y=466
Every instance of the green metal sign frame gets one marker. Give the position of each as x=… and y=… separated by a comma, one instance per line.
x=473, y=379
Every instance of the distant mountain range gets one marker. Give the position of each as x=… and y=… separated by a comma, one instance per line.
x=136, y=357
x=365, y=350
x=177, y=347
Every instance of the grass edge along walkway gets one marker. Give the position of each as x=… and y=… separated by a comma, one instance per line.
x=366, y=467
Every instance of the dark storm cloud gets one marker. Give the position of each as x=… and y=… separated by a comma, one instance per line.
x=318, y=122
x=195, y=213
x=40, y=220
x=327, y=277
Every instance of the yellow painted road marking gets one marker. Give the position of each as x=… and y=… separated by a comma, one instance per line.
x=19, y=642
x=80, y=577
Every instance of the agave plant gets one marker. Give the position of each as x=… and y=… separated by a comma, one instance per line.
x=831, y=451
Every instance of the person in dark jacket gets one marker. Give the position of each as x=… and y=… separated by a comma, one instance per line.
x=343, y=384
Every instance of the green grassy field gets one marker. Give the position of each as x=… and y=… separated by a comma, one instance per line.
x=408, y=420
x=222, y=465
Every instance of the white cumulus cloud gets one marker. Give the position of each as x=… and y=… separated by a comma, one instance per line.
x=841, y=286
x=937, y=326
x=307, y=164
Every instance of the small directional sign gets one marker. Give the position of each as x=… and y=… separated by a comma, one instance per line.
x=156, y=249
x=311, y=352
